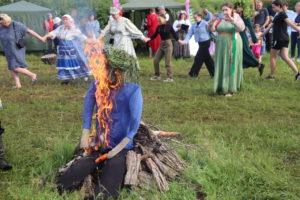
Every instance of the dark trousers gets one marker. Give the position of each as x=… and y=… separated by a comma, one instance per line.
x=201, y=57
x=295, y=42
x=111, y=177
x=1, y=148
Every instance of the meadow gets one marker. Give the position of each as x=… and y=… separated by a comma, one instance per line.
x=243, y=147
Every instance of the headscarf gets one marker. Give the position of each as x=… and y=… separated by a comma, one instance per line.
x=70, y=18
x=114, y=11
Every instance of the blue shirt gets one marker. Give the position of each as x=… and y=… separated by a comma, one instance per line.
x=200, y=32
x=126, y=114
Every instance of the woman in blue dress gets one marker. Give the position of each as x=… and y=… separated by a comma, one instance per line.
x=10, y=32
x=71, y=61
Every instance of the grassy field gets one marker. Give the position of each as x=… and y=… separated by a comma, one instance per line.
x=244, y=147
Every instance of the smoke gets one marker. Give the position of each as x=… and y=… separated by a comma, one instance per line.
x=61, y=7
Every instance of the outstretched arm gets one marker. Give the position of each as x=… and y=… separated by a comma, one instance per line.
x=292, y=24
x=135, y=33
x=36, y=35
x=189, y=35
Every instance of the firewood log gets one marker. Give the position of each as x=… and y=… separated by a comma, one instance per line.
x=133, y=162
x=167, y=171
x=145, y=180
x=171, y=162
x=160, y=179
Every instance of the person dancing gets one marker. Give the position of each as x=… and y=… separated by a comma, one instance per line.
x=123, y=31
x=71, y=61
x=202, y=36
x=11, y=32
x=280, y=41
x=165, y=31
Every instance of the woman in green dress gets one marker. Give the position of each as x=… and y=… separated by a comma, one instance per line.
x=229, y=51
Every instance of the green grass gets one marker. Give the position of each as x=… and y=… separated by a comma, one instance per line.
x=244, y=147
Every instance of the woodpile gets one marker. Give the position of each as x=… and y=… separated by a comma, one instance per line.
x=152, y=159
x=151, y=162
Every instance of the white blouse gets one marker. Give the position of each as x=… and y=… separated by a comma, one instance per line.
x=67, y=33
x=177, y=22
x=123, y=27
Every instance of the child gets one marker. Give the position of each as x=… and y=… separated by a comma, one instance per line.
x=280, y=41
x=256, y=47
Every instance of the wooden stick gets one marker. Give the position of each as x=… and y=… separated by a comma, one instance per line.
x=164, y=133
x=169, y=172
x=133, y=162
x=160, y=179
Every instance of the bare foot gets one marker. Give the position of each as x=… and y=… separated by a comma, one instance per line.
x=17, y=87
x=34, y=77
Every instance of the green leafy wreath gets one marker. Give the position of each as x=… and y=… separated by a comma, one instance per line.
x=120, y=59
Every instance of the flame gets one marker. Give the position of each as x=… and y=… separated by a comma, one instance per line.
x=104, y=86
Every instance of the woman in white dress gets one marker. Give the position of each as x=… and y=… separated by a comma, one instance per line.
x=123, y=31
x=181, y=27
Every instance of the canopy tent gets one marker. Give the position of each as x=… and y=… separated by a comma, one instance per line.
x=138, y=9
x=32, y=16
x=146, y=4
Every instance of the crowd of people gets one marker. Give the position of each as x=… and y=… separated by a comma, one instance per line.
x=269, y=30
x=228, y=42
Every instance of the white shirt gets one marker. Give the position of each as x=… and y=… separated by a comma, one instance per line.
x=67, y=34
x=292, y=16
x=177, y=22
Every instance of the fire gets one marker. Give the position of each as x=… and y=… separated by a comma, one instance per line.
x=105, y=87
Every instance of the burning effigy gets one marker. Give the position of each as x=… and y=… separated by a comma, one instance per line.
x=116, y=148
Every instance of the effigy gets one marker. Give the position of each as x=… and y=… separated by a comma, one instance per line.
x=116, y=146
